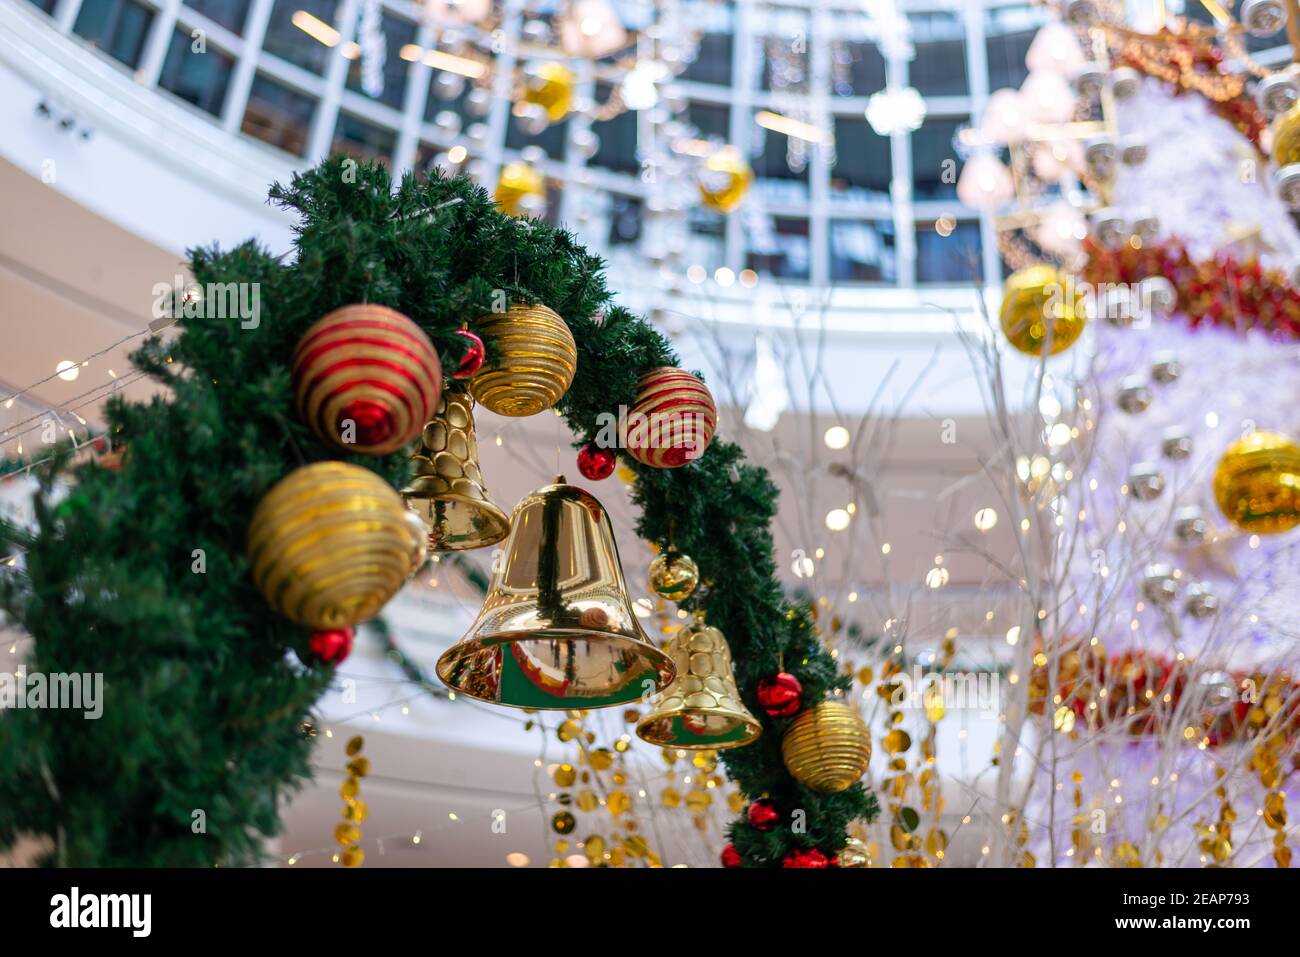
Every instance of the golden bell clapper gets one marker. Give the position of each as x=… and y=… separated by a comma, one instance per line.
x=537, y=360
x=557, y=629
x=1257, y=483
x=1041, y=300
x=447, y=490
x=330, y=544
x=701, y=708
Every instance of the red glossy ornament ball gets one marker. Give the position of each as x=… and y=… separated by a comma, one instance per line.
x=780, y=695
x=366, y=379
x=331, y=646
x=472, y=358
x=672, y=421
x=731, y=857
x=763, y=815
x=596, y=463
x=806, y=858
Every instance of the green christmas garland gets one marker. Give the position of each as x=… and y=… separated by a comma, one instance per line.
x=202, y=731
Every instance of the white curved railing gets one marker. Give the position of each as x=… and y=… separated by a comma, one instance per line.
x=150, y=160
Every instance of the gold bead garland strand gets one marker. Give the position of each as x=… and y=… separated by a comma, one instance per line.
x=592, y=780
x=596, y=778
x=1216, y=839
x=348, y=832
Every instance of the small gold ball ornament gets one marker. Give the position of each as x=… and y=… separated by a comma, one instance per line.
x=330, y=544
x=550, y=86
x=1037, y=299
x=521, y=189
x=674, y=575
x=537, y=360
x=1257, y=483
x=827, y=747
x=724, y=180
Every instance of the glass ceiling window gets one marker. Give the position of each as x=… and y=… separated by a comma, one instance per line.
x=787, y=84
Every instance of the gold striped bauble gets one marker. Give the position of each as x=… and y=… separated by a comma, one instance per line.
x=1037, y=299
x=366, y=379
x=536, y=361
x=330, y=544
x=673, y=419
x=827, y=747
x=1257, y=483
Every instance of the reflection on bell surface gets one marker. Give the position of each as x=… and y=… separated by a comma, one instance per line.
x=701, y=708
x=557, y=629
x=447, y=489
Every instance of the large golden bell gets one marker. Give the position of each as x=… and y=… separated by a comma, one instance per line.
x=701, y=708
x=557, y=630
x=447, y=490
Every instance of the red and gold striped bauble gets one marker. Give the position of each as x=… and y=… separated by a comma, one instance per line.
x=366, y=379
x=673, y=419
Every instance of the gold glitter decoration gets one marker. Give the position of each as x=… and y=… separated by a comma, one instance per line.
x=355, y=811
x=518, y=181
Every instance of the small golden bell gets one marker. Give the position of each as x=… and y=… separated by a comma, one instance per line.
x=447, y=490
x=701, y=708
